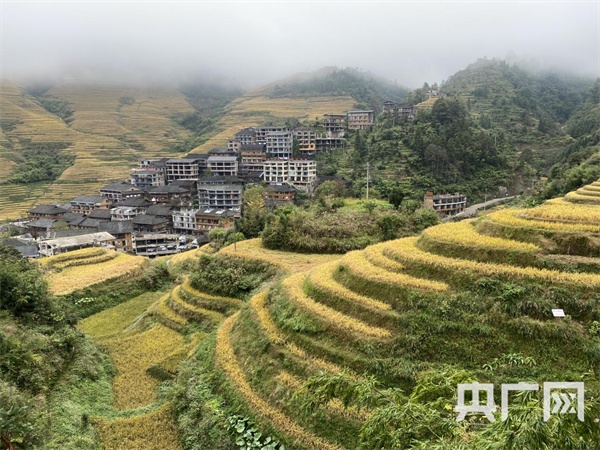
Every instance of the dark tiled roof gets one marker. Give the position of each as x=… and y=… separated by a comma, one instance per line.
x=47, y=209
x=42, y=223
x=221, y=151
x=116, y=226
x=169, y=189
x=147, y=219
x=89, y=223
x=226, y=179
x=197, y=156
x=252, y=147
x=72, y=217
x=281, y=188
x=189, y=184
x=88, y=199
x=122, y=186
x=135, y=202
x=159, y=210
x=101, y=214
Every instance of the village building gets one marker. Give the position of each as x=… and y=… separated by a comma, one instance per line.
x=279, y=144
x=246, y=136
x=60, y=245
x=305, y=138
x=222, y=165
x=122, y=230
x=155, y=244
x=405, y=110
x=46, y=212
x=117, y=192
x=252, y=157
x=170, y=195
x=147, y=223
x=189, y=168
x=359, y=120
x=211, y=218
x=220, y=196
x=277, y=195
x=222, y=151
x=125, y=212
x=147, y=178
x=85, y=204
x=262, y=132
x=102, y=215
x=325, y=144
x=334, y=125
x=445, y=204
x=300, y=173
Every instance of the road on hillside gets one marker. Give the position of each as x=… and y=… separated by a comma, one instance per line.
x=472, y=210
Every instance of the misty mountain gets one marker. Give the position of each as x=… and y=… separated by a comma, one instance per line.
x=527, y=104
x=369, y=91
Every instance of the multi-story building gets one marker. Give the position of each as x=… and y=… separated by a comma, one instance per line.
x=220, y=196
x=280, y=144
x=124, y=213
x=147, y=178
x=300, y=173
x=323, y=144
x=335, y=125
x=275, y=171
x=222, y=165
x=306, y=137
x=187, y=168
x=209, y=219
x=222, y=151
x=359, y=120
x=184, y=221
x=85, y=204
x=262, y=132
x=405, y=110
x=252, y=157
x=117, y=192
x=170, y=195
x=246, y=136
x=445, y=204
x=234, y=146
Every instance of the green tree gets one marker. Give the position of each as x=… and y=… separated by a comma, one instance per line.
x=254, y=212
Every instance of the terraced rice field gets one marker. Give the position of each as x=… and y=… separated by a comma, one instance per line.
x=345, y=301
x=252, y=110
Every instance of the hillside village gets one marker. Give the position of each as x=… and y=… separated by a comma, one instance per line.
x=171, y=204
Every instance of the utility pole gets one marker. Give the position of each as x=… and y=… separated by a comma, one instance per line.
x=367, y=180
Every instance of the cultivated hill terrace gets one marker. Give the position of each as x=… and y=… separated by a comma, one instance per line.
x=470, y=300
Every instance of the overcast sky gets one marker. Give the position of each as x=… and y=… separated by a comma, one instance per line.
x=252, y=42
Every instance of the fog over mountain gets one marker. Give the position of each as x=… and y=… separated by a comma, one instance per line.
x=250, y=43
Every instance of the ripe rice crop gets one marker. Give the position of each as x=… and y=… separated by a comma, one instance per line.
x=162, y=312
x=463, y=233
x=358, y=265
x=187, y=287
x=257, y=303
x=110, y=254
x=75, y=278
x=322, y=280
x=84, y=253
x=374, y=255
x=592, y=187
x=226, y=358
x=153, y=430
x=406, y=251
x=335, y=405
x=253, y=249
x=191, y=311
x=511, y=217
x=293, y=286
x=132, y=356
x=574, y=197
x=591, y=193
x=567, y=212
x=115, y=320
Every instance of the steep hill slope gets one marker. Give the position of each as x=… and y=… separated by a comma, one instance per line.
x=105, y=130
x=394, y=328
